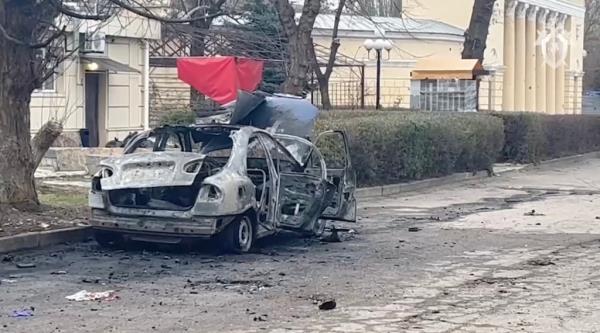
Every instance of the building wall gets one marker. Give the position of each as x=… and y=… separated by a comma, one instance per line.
x=123, y=100
x=396, y=66
x=458, y=13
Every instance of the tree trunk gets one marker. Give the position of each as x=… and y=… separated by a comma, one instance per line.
x=16, y=165
x=19, y=76
x=477, y=33
x=197, y=49
x=44, y=139
x=324, y=91
x=300, y=42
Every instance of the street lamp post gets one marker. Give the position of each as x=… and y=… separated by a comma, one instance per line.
x=378, y=45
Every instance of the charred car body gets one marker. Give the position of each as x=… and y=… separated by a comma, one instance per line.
x=236, y=181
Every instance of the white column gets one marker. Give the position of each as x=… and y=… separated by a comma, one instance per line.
x=550, y=67
x=521, y=56
x=530, y=64
x=508, y=91
x=540, y=64
x=561, y=63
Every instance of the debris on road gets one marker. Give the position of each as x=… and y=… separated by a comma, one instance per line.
x=85, y=295
x=329, y=304
x=540, y=262
x=8, y=281
x=25, y=265
x=260, y=318
x=22, y=313
x=414, y=229
x=58, y=273
x=533, y=213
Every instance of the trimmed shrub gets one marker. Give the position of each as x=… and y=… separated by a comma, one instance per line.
x=178, y=118
x=533, y=137
x=390, y=147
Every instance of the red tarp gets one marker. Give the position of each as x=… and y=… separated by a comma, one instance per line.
x=220, y=78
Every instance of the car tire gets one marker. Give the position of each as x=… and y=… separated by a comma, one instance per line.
x=108, y=239
x=238, y=236
x=319, y=227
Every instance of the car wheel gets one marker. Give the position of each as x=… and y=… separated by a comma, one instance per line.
x=319, y=227
x=238, y=236
x=108, y=239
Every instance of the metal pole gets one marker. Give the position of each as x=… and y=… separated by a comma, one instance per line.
x=378, y=93
x=146, y=85
x=362, y=87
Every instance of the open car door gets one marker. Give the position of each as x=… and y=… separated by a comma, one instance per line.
x=333, y=146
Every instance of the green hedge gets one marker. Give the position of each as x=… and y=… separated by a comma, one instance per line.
x=390, y=147
x=531, y=137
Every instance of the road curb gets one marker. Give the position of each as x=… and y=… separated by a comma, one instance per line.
x=36, y=240
x=385, y=190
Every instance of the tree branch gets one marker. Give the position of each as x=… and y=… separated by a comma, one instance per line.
x=71, y=13
x=50, y=39
x=148, y=14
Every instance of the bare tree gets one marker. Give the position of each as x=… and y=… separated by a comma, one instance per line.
x=477, y=33
x=323, y=76
x=591, y=63
x=26, y=28
x=300, y=42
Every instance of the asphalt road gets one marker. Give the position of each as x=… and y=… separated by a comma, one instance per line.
x=513, y=253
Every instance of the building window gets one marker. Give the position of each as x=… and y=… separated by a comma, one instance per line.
x=444, y=95
x=48, y=66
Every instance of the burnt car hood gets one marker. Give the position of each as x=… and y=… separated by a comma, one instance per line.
x=282, y=114
x=155, y=169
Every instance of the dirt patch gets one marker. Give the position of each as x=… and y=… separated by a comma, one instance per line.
x=60, y=208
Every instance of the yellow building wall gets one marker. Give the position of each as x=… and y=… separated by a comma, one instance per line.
x=123, y=101
x=396, y=67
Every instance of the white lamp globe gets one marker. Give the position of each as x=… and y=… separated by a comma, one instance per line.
x=369, y=44
x=387, y=45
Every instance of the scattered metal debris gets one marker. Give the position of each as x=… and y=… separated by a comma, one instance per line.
x=329, y=304
x=25, y=265
x=85, y=295
x=533, y=213
x=541, y=262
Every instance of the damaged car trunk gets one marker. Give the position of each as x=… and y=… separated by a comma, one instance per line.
x=238, y=182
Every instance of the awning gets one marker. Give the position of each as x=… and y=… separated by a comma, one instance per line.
x=447, y=69
x=107, y=64
x=220, y=78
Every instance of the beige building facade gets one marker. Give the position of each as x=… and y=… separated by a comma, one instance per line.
x=533, y=59
x=102, y=87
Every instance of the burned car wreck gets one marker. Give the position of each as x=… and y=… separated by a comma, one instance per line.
x=240, y=181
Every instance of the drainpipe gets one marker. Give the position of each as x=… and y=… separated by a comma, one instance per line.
x=146, y=85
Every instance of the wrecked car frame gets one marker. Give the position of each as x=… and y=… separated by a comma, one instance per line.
x=238, y=183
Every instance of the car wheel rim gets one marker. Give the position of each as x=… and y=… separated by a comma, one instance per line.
x=244, y=234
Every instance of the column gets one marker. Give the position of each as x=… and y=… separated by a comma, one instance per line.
x=530, y=64
x=540, y=64
x=508, y=91
x=561, y=54
x=521, y=56
x=550, y=55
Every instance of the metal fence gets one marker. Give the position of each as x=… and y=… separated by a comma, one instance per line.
x=444, y=95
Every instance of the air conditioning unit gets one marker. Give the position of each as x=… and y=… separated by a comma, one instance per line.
x=94, y=43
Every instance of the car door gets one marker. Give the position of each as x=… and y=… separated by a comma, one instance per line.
x=334, y=149
x=300, y=192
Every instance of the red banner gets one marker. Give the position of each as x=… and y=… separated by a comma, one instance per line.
x=220, y=78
